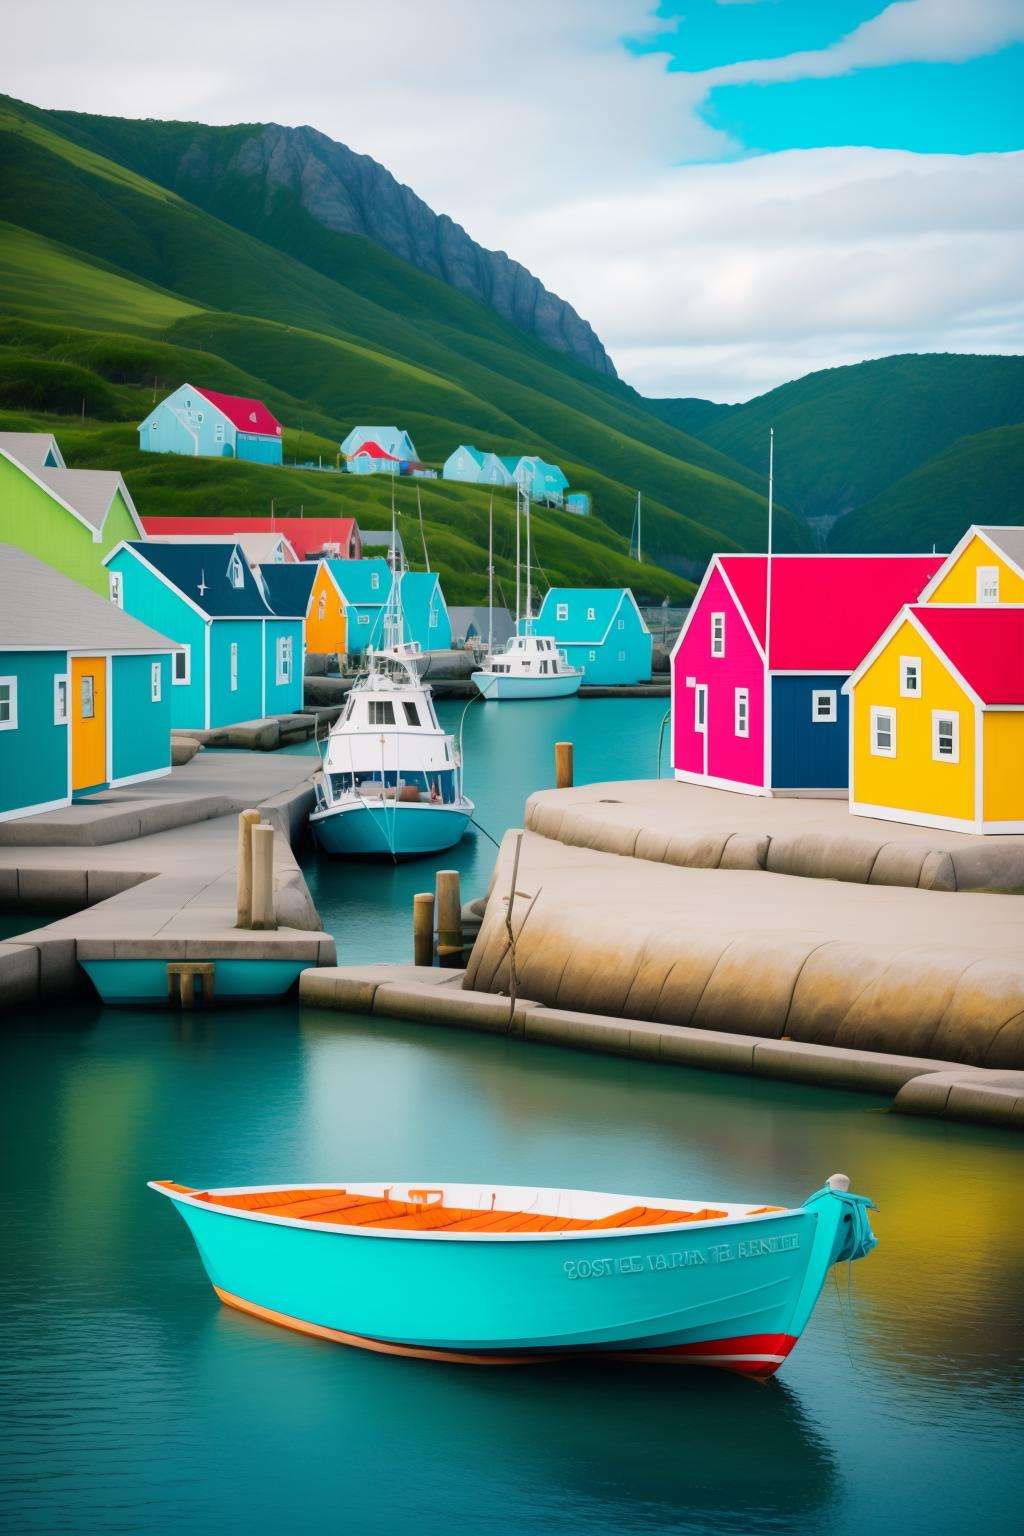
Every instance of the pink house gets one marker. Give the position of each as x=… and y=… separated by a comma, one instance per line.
x=760, y=715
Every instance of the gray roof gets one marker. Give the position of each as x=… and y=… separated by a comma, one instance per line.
x=477, y=618
x=88, y=491
x=31, y=448
x=42, y=609
x=1010, y=540
x=376, y=538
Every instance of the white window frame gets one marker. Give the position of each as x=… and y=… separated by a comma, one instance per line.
x=363, y=618
x=321, y=607
x=953, y=716
x=621, y=624
x=283, y=667
x=622, y=655
x=700, y=709
x=115, y=588
x=984, y=576
x=236, y=572
x=11, y=684
x=877, y=711
x=561, y=612
x=591, y=655
x=741, y=712
x=186, y=678
x=61, y=698
x=87, y=677
x=591, y=615
x=375, y=580
x=155, y=682
x=907, y=689
x=718, y=635
x=218, y=432
x=432, y=622
x=831, y=697
x=233, y=667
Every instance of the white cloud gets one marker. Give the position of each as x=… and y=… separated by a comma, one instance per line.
x=538, y=130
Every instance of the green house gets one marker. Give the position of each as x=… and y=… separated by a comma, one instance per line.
x=71, y=518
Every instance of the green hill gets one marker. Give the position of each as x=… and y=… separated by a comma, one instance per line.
x=115, y=289
x=846, y=435
x=979, y=479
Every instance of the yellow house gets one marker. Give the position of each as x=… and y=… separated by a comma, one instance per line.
x=937, y=717
x=307, y=589
x=986, y=567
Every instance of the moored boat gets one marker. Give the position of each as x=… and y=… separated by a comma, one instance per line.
x=494, y=1275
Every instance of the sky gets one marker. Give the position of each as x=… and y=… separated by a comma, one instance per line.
x=733, y=192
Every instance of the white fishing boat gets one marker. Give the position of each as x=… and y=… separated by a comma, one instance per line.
x=530, y=666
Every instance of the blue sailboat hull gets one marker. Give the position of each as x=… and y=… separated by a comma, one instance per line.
x=394, y=831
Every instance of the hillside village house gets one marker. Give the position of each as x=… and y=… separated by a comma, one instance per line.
x=309, y=588
x=85, y=691
x=541, y=481
x=390, y=440
x=600, y=630
x=335, y=537
x=758, y=669
x=70, y=518
x=239, y=660
x=366, y=585
x=465, y=464
x=205, y=423
x=937, y=705
x=371, y=459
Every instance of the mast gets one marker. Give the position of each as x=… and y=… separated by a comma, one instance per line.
x=423, y=537
x=518, y=607
x=639, y=526
x=768, y=573
x=529, y=586
x=490, y=575
x=393, y=622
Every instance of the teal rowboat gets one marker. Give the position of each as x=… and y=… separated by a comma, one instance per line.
x=504, y=1275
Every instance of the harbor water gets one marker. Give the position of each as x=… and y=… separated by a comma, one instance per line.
x=132, y=1401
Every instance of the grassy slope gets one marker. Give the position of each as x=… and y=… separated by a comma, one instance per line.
x=845, y=435
x=446, y=366
x=979, y=479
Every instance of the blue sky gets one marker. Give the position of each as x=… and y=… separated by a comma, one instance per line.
x=733, y=192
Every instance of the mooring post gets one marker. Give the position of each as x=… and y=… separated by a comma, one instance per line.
x=448, y=904
x=423, y=928
x=246, y=821
x=263, y=877
x=563, y=765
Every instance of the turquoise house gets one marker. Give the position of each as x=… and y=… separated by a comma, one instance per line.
x=541, y=481
x=464, y=464
x=204, y=423
x=238, y=660
x=85, y=691
x=366, y=588
x=599, y=629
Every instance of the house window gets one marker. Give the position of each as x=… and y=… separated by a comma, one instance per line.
x=375, y=579
x=182, y=672
x=153, y=426
x=561, y=611
x=622, y=655
x=590, y=615
x=321, y=607
x=233, y=667
x=910, y=677
x=236, y=573
x=284, y=659
x=718, y=634
x=155, y=682
x=945, y=736
x=433, y=618
x=883, y=732
x=60, y=700
x=700, y=708
x=591, y=655
x=382, y=712
x=218, y=432
x=823, y=706
x=364, y=618
x=8, y=703
x=621, y=624
x=88, y=696
x=199, y=417
x=115, y=587
x=987, y=588
x=741, y=704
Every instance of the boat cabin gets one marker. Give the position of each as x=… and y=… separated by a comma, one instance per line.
x=388, y=744
x=531, y=654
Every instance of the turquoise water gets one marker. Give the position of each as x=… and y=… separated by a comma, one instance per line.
x=130, y=1401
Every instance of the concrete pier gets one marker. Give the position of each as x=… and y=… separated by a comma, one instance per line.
x=152, y=868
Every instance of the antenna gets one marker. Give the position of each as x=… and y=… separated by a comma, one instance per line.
x=768, y=573
x=529, y=574
x=490, y=576
x=518, y=604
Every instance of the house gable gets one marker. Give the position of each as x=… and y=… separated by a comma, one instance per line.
x=958, y=580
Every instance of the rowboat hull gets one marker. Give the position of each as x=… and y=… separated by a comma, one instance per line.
x=387, y=829
x=503, y=686
x=734, y=1293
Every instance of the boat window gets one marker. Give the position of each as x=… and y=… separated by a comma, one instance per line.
x=411, y=713
x=382, y=712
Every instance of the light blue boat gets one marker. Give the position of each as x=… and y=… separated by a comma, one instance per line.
x=502, y=1275
x=384, y=828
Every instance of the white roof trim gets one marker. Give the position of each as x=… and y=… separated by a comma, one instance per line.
x=906, y=615
x=124, y=544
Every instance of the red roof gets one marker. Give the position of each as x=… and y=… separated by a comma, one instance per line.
x=307, y=535
x=827, y=610
x=985, y=645
x=372, y=451
x=245, y=414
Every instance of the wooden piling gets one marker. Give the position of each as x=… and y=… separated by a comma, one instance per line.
x=563, y=765
x=246, y=821
x=423, y=928
x=448, y=905
x=263, y=877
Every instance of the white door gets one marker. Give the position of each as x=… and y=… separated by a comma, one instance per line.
x=700, y=705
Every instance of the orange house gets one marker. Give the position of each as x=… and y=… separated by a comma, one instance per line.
x=308, y=589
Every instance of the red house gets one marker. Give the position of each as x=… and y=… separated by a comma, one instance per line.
x=759, y=666
x=337, y=538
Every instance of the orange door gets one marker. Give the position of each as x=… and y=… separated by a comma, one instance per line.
x=88, y=721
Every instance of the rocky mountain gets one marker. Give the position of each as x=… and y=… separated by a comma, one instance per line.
x=260, y=176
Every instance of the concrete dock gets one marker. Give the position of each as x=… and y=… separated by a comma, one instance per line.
x=151, y=870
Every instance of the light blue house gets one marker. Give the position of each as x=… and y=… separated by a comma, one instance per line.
x=464, y=464
x=601, y=630
x=204, y=423
x=393, y=441
x=85, y=695
x=541, y=481
x=495, y=471
x=366, y=587
x=238, y=659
